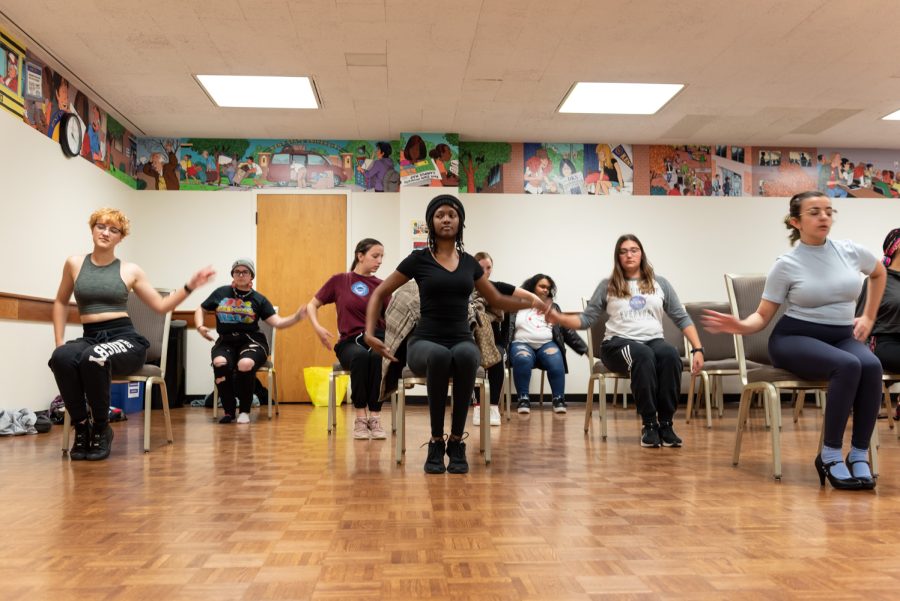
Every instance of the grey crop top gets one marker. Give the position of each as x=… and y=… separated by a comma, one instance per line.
x=100, y=289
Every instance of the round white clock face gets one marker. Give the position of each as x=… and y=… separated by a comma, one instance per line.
x=73, y=133
x=71, y=136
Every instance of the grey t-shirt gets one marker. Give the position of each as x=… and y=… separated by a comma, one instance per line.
x=820, y=283
x=638, y=316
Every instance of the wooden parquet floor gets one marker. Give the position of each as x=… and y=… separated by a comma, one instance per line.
x=280, y=510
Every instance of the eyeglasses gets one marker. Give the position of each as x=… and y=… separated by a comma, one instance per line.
x=102, y=227
x=816, y=211
x=629, y=251
x=240, y=272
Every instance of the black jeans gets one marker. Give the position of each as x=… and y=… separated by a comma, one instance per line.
x=440, y=363
x=655, y=369
x=365, y=371
x=84, y=367
x=237, y=385
x=816, y=351
x=887, y=349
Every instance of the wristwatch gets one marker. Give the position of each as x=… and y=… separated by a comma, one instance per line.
x=699, y=349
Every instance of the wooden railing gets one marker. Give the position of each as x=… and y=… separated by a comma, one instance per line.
x=19, y=307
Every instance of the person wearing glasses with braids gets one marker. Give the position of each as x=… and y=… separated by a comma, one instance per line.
x=442, y=345
x=635, y=298
x=84, y=367
x=241, y=347
x=819, y=337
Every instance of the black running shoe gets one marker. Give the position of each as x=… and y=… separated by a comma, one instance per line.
x=559, y=405
x=668, y=436
x=82, y=442
x=524, y=406
x=650, y=436
x=434, y=463
x=456, y=452
x=101, y=443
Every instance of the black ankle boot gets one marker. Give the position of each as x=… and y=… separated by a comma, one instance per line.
x=101, y=443
x=434, y=463
x=82, y=441
x=456, y=451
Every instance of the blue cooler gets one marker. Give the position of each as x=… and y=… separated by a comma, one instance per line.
x=127, y=396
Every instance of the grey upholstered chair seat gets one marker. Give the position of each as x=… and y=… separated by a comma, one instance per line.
x=147, y=371
x=728, y=364
x=599, y=368
x=767, y=373
x=409, y=374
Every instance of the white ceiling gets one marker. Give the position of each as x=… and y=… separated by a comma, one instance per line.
x=786, y=72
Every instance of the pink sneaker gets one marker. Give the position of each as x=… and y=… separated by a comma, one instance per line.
x=375, y=428
x=361, y=428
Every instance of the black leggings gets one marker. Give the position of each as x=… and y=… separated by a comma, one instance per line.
x=816, y=351
x=440, y=363
x=84, y=367
x=655, y=370
x=365, y=372
x=236, y=384
x=496, y=373
x=887, y=349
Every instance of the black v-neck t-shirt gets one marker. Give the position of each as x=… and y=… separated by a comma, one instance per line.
x=443, y=295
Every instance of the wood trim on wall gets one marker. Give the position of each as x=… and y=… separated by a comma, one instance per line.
x=20, y=307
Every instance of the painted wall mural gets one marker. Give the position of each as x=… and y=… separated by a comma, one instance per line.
x=47, y=96
x=12, y=59
x=32, y=91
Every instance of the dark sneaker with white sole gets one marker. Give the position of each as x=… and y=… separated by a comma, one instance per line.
x=667, y=435
x=650, y=436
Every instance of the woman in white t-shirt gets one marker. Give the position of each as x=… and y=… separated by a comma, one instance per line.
x=818, y=337
x=536, y=343
x=635, y=299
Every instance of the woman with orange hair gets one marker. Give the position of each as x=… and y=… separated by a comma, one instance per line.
x=83, y=367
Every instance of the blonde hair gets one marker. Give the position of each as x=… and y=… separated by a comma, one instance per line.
x=604, y=148
x=114, y=217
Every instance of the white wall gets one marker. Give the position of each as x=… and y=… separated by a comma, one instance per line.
x=47, y=200
x=691, y=241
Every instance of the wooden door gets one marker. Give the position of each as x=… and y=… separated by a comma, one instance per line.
x=301, y=241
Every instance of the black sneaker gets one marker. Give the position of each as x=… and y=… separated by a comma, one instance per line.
x=456, y=451
x=434, y=463
x=226, y=419
x=650, y=436
x=559, y=405
x=82, y=442
x=668, y=436
x=524, y=406
x=101, y=443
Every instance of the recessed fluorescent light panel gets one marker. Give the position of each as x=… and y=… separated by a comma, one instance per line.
x=895, y=116
x=254, y=91
x=618, y=98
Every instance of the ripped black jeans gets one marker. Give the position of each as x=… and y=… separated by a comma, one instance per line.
x=237, y=385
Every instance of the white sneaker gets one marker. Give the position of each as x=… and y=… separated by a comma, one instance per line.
x=495, y=415
x=243, y=418
x=476, y=415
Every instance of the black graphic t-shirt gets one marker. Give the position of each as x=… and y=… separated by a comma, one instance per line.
x=236, y=311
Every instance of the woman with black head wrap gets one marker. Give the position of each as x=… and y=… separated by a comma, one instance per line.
x=442, y=345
